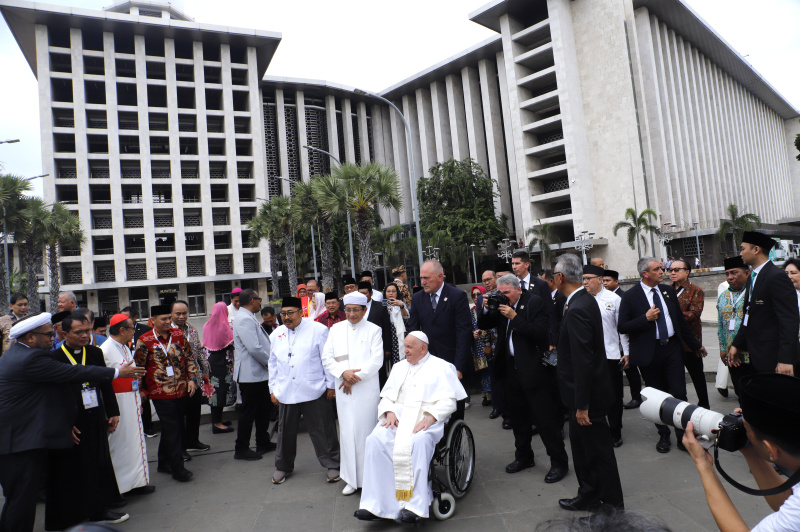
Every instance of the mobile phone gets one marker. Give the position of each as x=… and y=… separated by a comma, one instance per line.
x=386, y=302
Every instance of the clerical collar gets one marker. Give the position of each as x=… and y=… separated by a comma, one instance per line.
x=74, y=350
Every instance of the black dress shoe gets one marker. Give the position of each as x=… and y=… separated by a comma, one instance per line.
x=507, y=424
x=408, y=517
x=268, y=448
x=578, y=504
x=495, y=414
x=246, y=454
x=723, y=392
x=198, y=446
x=534, y=430
x=516, y=466
x=226, y=423
x=663, y=444
x=164, y=469
x=555, y=474
x=634, y=403
x=617, y=443
x=486, y=402
x=682, y=447
x=119, y=503
x=186, y=456
x=217, y=430
x=365, y=515
x=183, y=476
x=143, y=490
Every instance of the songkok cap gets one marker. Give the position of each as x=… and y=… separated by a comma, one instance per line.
x=593, y=270
x=366, y=273
x=26, y=325
x=770, y=402
x=349, y=281
x=398, y=270
x=236, y=290
x=735, y=262
x=293, y=302
x=365, y=284
x=355, y=298
x=115, y=319
x=419, y=334
x=160, y=310
x=100, y=321
x=331, y=295
x=611, y=273
x=58, y=317
x=759, y=239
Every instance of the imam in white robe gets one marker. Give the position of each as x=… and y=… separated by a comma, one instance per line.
x=358, y=346
x=127, y=443
x=396, y=460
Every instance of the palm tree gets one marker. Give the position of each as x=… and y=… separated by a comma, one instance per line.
x=306, y=197
x=736, y=224
x=638, y=226
x=62, y=230
x=543, y=236
x=363, y=189
x=277, y=219
x=12, y=188
x=30, y=239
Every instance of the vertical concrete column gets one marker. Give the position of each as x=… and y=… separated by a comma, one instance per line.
x=347, y=128
x=409, y=108
x=398, y=135
x=427, y=136
x=231, y=174
x=441, y=121
x=476, y=136
x=283, y=148
x=302, y=135
x=203, y=158
x=458, y=117
x=383, y=150
x=333, y=127
x=259, y=145
x=493, y=124
x=45, y=118
x=175, y=159
x=363, y=131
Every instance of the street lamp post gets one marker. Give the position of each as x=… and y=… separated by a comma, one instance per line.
x=349, y=227
x=414, y=206
x=697, y=242
x=9, y=141
x=474, y=264
x=505, y=247
x=584, y=240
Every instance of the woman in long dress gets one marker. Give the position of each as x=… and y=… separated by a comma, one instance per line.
x=218, y=345
x=398, y=313
x=481, y=348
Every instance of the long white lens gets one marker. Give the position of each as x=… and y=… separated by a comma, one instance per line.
x=660, y=407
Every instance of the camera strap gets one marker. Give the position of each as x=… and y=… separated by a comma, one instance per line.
x=794, y=479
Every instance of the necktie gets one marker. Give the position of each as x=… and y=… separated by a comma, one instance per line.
x=661, y=321
x=433, y=302
x=522, y=284
x=752, y=281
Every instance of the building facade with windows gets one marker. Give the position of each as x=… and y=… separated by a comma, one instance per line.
x=164, y=134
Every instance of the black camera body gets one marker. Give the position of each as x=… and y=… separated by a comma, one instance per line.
x=493, y=301
x=732, y=435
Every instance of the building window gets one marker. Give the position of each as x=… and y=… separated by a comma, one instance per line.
x=60, y=63
x=105, y=273
x=250, y=263
x=162, y=219
x=224, y=266
x=133, y=220
x=690, y=247
x=125, y=68
x=196, y=266
x=94, y=65
x=140, y=301
x=166, y=269
x=71, y=274
x=101, y=220
x=192, y=219
x=158, y=122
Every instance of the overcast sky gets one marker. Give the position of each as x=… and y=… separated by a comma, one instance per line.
x=374, y=44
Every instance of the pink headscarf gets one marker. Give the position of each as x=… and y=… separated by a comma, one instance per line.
x=217, y=334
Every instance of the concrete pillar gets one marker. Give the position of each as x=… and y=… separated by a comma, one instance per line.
x=441, y=121
x=427, y=135
x=493, y=124
x=347, y=127
x=363, y=132
x=476, y=136
x=458, y=117
x=302, y=135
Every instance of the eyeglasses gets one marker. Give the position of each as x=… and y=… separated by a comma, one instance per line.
x=257, y=299
x=352, y=310
x=82, y=332
x=287, y=313
x=590, y=277
x=676, y=270
x=48, y=334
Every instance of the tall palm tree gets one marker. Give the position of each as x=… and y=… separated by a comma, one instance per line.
x=12, y=188
x=736, y=224
x=542, y=235
x=277, y=219
x=62, y=230
x=637, y=227
x=29, y=237
x=306, y=197
x=364, y=189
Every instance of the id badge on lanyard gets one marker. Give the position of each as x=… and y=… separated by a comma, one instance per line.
x=89, y=397
x=170, y=370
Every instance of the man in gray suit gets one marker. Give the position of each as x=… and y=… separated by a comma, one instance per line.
x=250, y=371
x=37, y=413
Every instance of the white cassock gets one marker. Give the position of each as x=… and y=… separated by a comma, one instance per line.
x=127, y=443
x=358, y=346
x=396, y=460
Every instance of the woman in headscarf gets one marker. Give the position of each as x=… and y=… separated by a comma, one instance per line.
x=218, y=344
x=397, y=314
x=482, y=347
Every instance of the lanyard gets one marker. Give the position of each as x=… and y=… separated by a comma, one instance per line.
x=74, y=362
x=291, y=344
x=734, y=303
x=166, y=349
x=680, y=291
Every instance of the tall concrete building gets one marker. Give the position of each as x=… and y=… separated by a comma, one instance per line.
x=163, y=133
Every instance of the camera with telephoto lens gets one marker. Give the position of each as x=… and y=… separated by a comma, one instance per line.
x=726, y=431
x=493, y=302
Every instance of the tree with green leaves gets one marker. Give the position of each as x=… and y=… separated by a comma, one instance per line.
x=638, y=226
x=542, y=235
x=62, y=230
x=12, y=189
x=276, y=219
x=29, y=237
x=736, y=224
x=362, y=190
x=458, y=200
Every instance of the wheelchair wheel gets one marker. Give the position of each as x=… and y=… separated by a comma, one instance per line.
x=459, y=461
x=443, y=507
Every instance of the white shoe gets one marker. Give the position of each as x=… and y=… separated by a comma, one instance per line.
x=348, y=490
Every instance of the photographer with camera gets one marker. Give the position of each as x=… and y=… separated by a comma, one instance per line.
x=530, y=386
x=769, y=407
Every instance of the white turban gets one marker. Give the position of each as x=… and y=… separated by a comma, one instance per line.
x=29, y=324
x=355, y=298
x=420, y=335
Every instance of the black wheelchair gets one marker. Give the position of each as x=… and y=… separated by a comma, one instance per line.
x=455, y=457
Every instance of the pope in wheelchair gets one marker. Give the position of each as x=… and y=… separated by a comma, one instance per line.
x=417, y=400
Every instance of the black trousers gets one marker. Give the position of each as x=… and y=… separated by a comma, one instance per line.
x=498, y=394
x=20, y=476
x=540, y=405
x=147, y=416
x=615, y=410
x=594, y=461
x=665, y=372
x=321, y=427
x=191, y=432
x=635, y=382
x=171, y=413
x=743, y=370
x=694, y=365
x=256, y=408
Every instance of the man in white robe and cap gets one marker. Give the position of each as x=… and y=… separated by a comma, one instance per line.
x=353, y=354
x=127, y=443
x=418, y=398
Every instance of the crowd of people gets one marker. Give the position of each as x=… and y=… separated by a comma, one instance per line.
x=392, y=367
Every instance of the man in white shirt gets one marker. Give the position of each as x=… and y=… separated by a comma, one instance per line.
x=299, y=385
x=233, y=308
x=366, y=276
x=353, y=355
x=418, y=399
x=609, y=312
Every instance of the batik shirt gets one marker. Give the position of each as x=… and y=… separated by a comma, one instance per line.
x=730, y=306
x=329, y=321
x=200, y=360
x=691, y=299
x=150, y=354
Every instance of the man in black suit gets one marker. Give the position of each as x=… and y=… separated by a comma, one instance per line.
x=441, y=311
x=531, y=389
x=557, y=297
x=611, y=283
x=651, y=316
x=521, y=265
x=37, y=412
x=769, y=327
x=377, y=314
x=586, y=391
